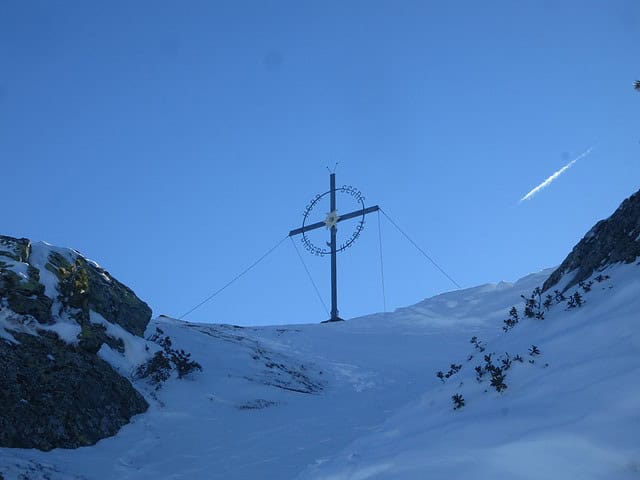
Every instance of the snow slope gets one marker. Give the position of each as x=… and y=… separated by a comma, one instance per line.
x=360, y=399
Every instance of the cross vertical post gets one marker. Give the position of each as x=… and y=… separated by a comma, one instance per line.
x=334, y=267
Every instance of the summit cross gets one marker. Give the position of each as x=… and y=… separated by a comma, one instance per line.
x=331, y=222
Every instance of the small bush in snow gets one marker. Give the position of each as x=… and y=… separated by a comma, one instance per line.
x=183, y=363
x=506, y=362
x=458, y=401
x=157, y=337
x=476, y=343
x=575, y=300
x=586, y=286
x=559, y=296
x=533, y=351
x=578, y=299
x=452, y=371
x=497, y=379
x=512, y=321
x=533, y=304
x=158, y=368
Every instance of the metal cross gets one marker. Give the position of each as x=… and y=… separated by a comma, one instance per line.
x=331, y=222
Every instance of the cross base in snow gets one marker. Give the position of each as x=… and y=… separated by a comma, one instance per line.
x=336, y=319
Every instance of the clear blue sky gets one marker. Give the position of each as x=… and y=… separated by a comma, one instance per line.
x=175, y=142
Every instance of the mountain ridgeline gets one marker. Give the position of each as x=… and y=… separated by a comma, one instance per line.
x=610, y=241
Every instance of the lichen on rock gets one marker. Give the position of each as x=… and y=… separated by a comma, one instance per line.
x=85, y=285
x=20, y=283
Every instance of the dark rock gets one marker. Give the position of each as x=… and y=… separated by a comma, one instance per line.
x=257, y=404
x=55, y=396
x=610, y=241
x=17, y=249
x=24, y=296
x=116, y=302
x=93, y=336
x=38, y=306
x=87, y=286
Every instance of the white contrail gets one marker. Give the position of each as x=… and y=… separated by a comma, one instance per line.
x=548, y=181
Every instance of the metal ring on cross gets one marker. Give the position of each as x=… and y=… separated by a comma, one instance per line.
x=332, y=219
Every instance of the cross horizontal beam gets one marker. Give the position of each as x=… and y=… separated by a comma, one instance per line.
x=355, y=213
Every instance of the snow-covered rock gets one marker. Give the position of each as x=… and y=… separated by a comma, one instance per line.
x=57, y=311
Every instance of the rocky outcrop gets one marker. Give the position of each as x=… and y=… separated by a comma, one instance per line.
x=57, y=392
x=15, y=248
x=610, y=241
x=57, y=396
x=101, y=292
x=20, y=282
x=86, y=286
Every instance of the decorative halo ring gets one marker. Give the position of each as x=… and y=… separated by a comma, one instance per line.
x=332, y=219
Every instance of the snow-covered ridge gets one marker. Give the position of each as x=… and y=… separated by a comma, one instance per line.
x=572, y=413
x=380, y=411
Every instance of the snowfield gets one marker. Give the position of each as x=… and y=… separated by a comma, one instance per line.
x=360, y=399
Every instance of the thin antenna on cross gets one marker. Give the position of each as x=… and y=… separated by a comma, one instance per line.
x=334, y=168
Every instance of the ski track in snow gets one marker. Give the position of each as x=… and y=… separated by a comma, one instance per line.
x=360, y=400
